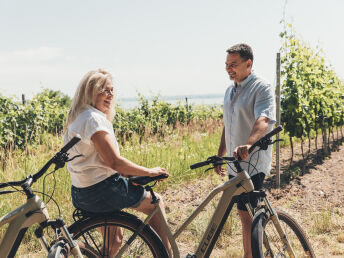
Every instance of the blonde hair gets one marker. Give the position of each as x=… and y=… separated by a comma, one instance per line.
x=89, y=87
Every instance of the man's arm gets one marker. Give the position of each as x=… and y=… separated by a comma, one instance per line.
x=258, y=131
x=221, y=152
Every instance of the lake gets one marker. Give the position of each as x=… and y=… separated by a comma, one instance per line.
x=210, y=99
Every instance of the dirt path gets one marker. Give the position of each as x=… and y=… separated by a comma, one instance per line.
x=315, y=199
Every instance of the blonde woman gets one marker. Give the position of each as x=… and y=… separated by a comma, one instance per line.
x=98, y=183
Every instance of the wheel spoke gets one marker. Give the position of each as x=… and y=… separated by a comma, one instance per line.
x=272, y=244
x=98, y=238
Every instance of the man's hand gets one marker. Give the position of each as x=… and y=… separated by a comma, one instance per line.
x=220, y=170
x=242, y=151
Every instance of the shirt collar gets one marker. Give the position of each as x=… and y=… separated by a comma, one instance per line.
x=95, y=110
x=243, y=83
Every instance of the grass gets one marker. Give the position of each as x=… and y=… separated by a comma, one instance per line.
x=176, y=152
x=323, y=222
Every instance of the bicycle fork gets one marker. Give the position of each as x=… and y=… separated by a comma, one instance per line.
x=277, y=225
x=279, y=229
x=61, y=226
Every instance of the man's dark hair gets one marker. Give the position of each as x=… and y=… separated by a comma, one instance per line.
x=244, y=50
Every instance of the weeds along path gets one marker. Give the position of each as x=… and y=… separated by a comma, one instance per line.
x=315, y=199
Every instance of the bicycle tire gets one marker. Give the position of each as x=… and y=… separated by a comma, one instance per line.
x=88, y=234
x=262, y=224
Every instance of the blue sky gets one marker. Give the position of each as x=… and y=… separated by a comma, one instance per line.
x=151, y=46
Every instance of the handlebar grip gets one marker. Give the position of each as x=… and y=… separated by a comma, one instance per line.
x=199, y=164
x=267, y=136
x=162, y=176
x=273, y=132
x=143, y=180
x=71, y=143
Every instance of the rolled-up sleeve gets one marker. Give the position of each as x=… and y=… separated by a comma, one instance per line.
x=92, y=125
x=264, y=105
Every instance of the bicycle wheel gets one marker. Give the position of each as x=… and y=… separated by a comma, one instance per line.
x=103, y=236
x=266, y=242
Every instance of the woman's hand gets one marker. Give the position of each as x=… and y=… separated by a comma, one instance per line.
x=158, y=171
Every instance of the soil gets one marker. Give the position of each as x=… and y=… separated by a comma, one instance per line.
x=313, y=193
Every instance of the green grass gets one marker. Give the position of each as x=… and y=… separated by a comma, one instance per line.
x=176, y=152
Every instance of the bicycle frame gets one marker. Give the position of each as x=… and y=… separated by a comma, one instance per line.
x=233, y=187
x=20, y=219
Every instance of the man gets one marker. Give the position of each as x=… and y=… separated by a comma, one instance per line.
x=248, y=114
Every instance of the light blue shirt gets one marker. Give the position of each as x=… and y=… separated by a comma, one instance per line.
x=243, y=105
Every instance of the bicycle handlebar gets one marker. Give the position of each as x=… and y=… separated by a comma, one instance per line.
x=199, y=164
x=71, y=143
x=143, y=180
x=61, y=154
x=265, y=140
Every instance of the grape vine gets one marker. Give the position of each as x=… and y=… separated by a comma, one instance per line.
x=312, y=96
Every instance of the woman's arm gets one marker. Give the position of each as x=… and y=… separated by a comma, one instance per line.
x=107, y=150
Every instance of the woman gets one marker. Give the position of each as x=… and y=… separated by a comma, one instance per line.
x=97, y=182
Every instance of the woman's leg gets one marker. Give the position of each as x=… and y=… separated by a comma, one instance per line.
x=113, y=239
x=147, y=207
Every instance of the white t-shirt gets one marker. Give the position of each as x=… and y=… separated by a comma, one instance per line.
x=90, y=168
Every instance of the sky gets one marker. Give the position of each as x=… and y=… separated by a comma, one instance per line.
x=153, y=46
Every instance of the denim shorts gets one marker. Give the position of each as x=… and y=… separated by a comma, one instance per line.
x=112, y=194
x=257, y=181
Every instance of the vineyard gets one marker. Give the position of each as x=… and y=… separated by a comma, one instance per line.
x=312, y=102
x=21, y=125
x=173, y=136
x=312, y=97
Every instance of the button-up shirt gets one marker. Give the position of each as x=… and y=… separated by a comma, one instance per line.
x=244, y=103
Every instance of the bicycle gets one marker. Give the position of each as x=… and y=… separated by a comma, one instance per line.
x=35, y=211
x=135, y=238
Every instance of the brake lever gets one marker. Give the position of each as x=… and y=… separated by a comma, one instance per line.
x=279, y=140
x=209, y=169
x=264, y=145
x=218, y=163
x=77, y=156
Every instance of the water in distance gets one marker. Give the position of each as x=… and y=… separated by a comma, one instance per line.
x=209, y=99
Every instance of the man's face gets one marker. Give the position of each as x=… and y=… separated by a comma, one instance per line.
x=237, y=68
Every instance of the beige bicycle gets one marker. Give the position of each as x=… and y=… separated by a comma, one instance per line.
x=33, y=212
x=274, y=233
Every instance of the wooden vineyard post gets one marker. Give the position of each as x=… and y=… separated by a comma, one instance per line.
x=187, y=110
x=23, y=99
x=278, y=116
